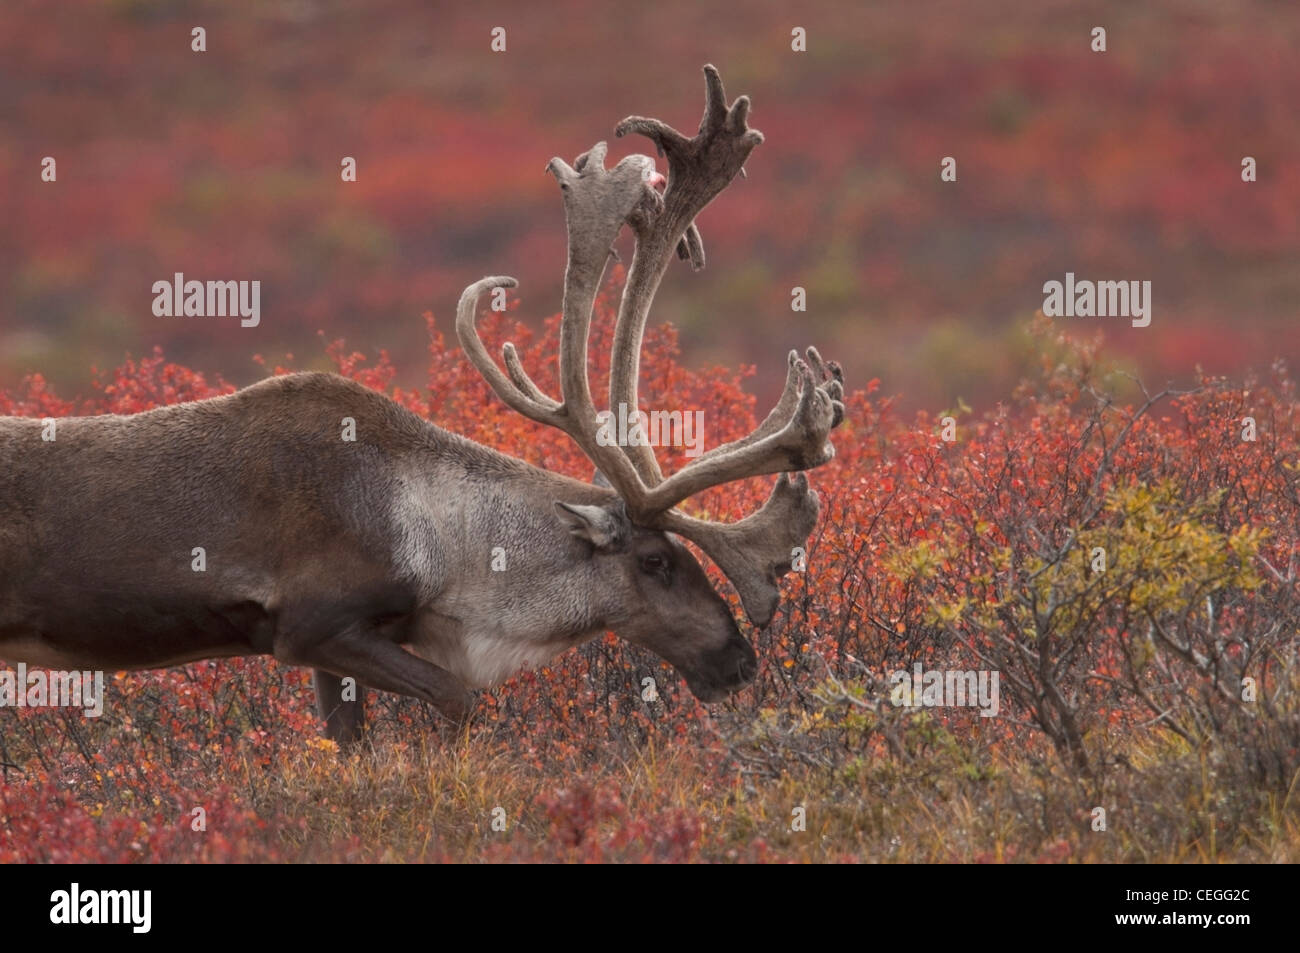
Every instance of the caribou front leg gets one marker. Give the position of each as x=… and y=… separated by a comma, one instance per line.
x=362, y=651
x=345, y=719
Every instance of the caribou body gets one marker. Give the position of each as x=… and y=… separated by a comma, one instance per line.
x=409, y=558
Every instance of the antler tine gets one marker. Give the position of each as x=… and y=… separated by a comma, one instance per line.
x=527, y=400
x=597, y=202
x=780, y=415
x=698, y=169
x=520, y=376
x=715, y=99
x=756, y=551
x=691, y=248
x=800, y=444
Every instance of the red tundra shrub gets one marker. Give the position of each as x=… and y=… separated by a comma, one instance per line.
x=1127, y=568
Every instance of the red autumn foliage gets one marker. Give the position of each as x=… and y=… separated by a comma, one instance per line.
x=225, y=164
x=911, y=523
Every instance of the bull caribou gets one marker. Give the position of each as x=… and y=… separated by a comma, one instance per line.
x=370, y=558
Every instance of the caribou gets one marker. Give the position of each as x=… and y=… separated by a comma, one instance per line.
x=368, y=559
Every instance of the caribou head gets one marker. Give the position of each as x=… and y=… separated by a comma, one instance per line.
x=668, y=605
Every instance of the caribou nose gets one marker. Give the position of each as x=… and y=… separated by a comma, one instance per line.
x=746, y=663
x=727, y=668
x=748, y=668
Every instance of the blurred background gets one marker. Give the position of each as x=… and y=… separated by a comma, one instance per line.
x=225, y=165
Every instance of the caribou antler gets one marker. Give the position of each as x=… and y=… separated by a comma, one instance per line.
x=597, y=202
x=757, y=550
x=698, y=169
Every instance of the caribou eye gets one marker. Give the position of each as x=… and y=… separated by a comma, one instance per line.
x=654, y=564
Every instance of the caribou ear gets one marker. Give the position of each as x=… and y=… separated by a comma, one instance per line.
x=598, y=525
x=599, y=479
